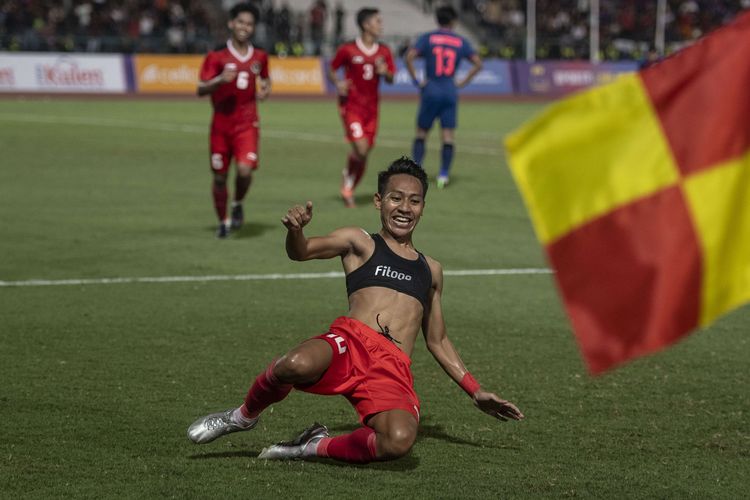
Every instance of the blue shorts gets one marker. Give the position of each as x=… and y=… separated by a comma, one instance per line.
x=437, y=104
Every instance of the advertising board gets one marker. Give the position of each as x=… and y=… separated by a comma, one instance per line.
x=62, y=72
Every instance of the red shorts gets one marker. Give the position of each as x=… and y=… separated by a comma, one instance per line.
x=367, y=369
x=359, y=124
x=242, y=144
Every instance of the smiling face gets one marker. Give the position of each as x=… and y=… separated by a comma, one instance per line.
x=242, y=27
x=401, y=205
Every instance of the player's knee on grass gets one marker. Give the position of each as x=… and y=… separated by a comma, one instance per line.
x=396, y=442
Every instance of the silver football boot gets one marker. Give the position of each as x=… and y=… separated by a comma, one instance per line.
x=303, y=446
x=206, y=429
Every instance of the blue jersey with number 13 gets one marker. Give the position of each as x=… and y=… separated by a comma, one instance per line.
x=442, y=51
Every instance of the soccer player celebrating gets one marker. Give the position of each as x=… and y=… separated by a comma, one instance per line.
x=442, y=51
x=230, y=75
x=364, y=61
x=394, y=291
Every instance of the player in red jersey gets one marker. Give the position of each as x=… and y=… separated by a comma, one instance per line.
x=364, y=61
x=235, y=77
x=394, y=292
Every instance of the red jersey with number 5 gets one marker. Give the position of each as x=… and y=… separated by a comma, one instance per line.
x=358, y=62
x=234, y=102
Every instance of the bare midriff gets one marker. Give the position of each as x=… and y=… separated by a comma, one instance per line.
x=401, y=314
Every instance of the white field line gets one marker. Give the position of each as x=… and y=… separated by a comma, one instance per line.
x=195, y=129
x=247, y=277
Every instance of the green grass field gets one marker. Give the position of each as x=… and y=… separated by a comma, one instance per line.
x=100, y=381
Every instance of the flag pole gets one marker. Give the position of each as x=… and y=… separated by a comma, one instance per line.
x=661, y=21
x=531, y=31
x=594, y=32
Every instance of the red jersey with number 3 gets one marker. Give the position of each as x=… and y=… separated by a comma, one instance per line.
x=358, y=62
x=234, y=102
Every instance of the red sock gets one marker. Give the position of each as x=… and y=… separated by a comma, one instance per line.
x=357, y=447
x=360, y=171
x=266, y=390
x=220, y=200
x=355, y=168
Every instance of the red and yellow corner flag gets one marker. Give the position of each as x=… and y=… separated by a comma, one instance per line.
x=640, y=192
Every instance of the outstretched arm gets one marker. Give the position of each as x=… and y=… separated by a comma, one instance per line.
x=299, y=247
x=442, y=349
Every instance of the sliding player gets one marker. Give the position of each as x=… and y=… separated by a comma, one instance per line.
x=394, y=292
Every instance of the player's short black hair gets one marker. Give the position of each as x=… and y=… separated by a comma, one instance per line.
x=403, y=165
x=364, y=14
x=445, y=15
x=245, y=7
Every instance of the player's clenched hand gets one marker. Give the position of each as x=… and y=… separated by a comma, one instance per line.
x=264, y=89
x=492, y=405
x=297, y=217
x=229, y=73
x=381, y=68
x=342, y=87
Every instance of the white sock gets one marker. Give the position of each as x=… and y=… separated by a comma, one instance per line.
x=241, y=420
x=311, y=448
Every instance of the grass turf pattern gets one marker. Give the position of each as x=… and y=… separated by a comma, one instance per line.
x=99, y=382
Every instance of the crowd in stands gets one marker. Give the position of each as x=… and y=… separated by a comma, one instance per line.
x=627, y=27
x=285, y=31
x=167, y=26
x=107, y=25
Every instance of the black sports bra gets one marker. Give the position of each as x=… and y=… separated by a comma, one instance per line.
x=387, y=269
